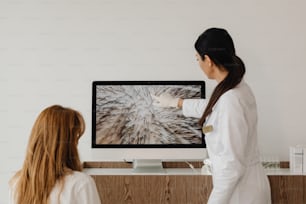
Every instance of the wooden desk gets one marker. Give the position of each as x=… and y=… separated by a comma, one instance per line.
x=182, y=186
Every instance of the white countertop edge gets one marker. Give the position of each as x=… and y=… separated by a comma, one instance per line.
x=175, y=171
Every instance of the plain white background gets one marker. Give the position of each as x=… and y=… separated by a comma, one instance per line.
x=51, y=51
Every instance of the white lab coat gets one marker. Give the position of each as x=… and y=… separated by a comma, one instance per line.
x=79, y=188
x=238, y=176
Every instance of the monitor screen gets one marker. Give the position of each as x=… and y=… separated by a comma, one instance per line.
x=124, y=115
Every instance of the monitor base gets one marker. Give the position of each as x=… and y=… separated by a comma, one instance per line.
x=148, y=166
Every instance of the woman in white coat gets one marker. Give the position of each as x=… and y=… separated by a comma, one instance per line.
x=229, y=121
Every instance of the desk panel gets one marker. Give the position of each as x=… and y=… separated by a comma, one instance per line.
x=160, y=189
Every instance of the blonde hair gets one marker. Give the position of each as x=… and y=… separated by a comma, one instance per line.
x=51, y=154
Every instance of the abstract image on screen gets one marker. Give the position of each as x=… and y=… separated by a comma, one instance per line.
x=126, y=114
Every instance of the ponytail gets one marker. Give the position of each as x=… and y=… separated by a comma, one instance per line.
x=236, y=71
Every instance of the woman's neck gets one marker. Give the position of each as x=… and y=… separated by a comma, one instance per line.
x=220, y=75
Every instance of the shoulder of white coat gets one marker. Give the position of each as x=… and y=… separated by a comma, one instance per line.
x=240, y=95
x=235, y=95
x=229, y=99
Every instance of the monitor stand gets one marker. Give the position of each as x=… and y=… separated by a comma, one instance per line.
x=147, y=166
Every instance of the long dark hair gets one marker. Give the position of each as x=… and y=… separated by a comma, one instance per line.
x=218, y=45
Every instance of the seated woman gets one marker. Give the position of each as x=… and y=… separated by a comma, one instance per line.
x=51, y=172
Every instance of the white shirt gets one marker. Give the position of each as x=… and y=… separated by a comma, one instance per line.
x=79, y=188
x=238, y=176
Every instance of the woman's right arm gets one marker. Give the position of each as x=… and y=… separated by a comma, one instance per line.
x=193, y=107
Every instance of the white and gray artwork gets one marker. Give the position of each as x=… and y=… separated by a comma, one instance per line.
x=126, y=114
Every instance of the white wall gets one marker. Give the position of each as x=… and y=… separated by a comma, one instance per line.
x=51, y=51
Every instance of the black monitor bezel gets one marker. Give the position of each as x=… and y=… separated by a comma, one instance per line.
x=93, y=123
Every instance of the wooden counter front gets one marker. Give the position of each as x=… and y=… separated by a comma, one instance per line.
x=182, y=186
x=153, y=189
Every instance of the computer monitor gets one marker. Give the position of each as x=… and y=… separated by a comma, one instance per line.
x=124, y=115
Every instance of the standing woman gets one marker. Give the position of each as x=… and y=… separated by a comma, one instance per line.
x=229, y=121
x=51, y=172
